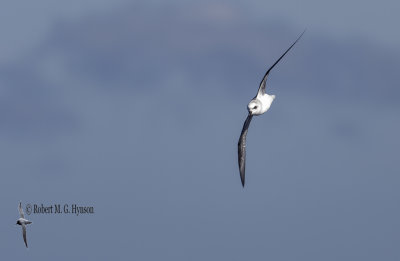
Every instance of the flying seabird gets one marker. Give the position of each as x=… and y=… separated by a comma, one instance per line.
x=257, y=106
x=23, y=222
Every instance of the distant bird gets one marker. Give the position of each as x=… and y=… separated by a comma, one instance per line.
x=257, y=106
x=23, y=222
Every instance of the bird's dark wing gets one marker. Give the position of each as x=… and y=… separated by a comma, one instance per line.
x=242, y=148
x=24, y=234
x=21, y=212
x=261, y=89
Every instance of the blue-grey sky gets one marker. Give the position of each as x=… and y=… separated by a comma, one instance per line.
x=136, y=109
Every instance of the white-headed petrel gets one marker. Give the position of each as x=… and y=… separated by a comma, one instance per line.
x=257, y=106
x=23, y=222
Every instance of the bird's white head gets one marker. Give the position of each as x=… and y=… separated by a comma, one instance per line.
x=254, y=107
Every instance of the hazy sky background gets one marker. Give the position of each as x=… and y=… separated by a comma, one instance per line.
x=135, y=108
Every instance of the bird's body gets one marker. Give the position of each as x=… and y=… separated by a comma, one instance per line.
x=257, y=106
x=262, y=104
x=23, y=222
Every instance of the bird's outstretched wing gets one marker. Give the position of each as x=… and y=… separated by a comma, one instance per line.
x=261, y=89
x=21, y=212
x=24, y=234
x=242, y=148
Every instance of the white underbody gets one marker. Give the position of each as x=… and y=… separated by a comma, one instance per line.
x=24, y=221
x=266, y=101
x=263, y=101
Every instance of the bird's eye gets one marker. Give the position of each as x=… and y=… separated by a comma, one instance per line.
x=255, y=107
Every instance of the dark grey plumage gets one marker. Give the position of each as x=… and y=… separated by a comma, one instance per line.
x=24, y=234
x=261, y=89
x=242, y=148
